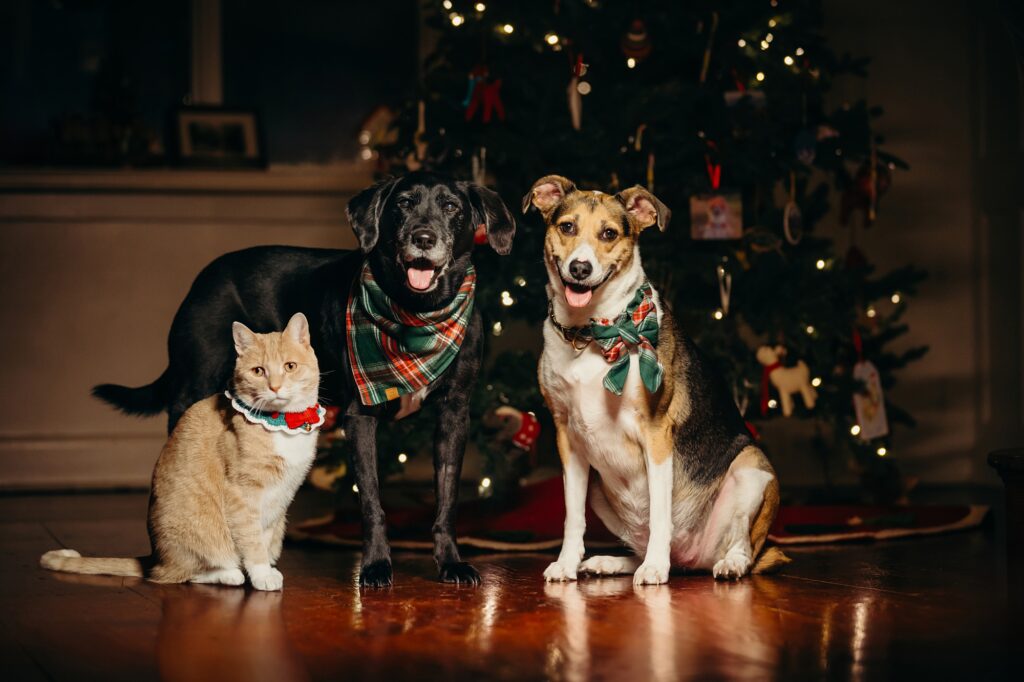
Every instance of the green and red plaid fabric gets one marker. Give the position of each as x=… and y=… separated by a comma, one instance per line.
x=636, y=326
x=393, y=351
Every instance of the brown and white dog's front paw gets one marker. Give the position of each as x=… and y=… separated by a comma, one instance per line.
x=559, y=572
x=651, y=573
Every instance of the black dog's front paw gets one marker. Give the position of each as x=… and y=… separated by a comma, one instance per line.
x=460, y=573
x=376, y=574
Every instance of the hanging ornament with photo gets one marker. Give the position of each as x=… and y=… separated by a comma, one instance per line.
x=869, y=184
x=869, y=405
x=576, y=89
x=792, y=219
x=717, y=214
x=636, y=44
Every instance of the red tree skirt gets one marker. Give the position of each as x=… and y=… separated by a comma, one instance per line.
x=535, y=523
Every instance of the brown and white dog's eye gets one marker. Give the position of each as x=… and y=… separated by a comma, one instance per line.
x=290, y=366
x=567, y=228
x=258, y=371
x=608, y=234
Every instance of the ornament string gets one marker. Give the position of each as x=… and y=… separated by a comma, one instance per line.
x=707, y=50
x=714, y=169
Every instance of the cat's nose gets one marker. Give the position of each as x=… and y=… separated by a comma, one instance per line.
x=275, y=389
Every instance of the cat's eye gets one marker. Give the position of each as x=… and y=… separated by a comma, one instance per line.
x=259, y=371
x=567, y=228
x=290, y=366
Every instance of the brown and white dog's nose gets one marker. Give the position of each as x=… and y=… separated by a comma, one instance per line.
x=424, y=239
x=580, y=269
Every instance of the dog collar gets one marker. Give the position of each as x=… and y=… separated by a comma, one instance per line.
x=578, y=337
x=288, y=422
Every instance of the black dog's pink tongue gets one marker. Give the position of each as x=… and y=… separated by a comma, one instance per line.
x=419, y=279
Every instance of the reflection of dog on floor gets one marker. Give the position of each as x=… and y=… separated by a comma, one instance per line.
x=680, y=480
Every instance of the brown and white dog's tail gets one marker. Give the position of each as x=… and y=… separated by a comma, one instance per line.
x=70, y=561
x=770, y=560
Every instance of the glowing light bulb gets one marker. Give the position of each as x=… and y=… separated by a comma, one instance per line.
x=799, y=52
x=772, y=23
x=820, y=264
x=788, y=60
x=447, y=4
x=485, y=483
x=497, y=329
x=759, y=76
x=456, y=19
x=355, y=488
x=772, y=404
x=810, y=329
x=816, y=381
x=855, y=430
x=480, y=7
x=520, y=281
x=764, y=44
x=403, y=458
x=871, y=312
x=508, y=28
x=741, y=42
x=506, y=299
x=882, y=452
x=631, y=63
x=896, y=298
x=551, y=39
x=718, y=314
x=769, y=38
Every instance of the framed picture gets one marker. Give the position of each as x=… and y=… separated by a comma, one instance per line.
x=716, y=216
x=219, y=138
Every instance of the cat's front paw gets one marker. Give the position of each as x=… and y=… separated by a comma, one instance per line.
x=266, y=577
x=376, y=574
x=460, y=573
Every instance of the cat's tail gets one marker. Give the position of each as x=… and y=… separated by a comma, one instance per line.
x=141, y=401
x=771, y=560
x=70, y=561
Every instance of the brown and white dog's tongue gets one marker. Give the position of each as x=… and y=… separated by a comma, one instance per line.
x=419, y=279
x=578, y=299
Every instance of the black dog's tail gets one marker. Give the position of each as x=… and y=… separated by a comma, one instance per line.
x=141, y=401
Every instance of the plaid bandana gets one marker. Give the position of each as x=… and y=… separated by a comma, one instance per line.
x=637, y=326
x=393, y=351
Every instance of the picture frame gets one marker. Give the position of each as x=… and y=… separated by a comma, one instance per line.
x=215, y=137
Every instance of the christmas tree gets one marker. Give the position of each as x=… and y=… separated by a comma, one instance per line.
x=720, y=109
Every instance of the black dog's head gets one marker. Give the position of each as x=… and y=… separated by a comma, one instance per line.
x=418, y=233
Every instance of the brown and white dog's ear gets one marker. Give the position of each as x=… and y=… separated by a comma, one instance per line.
x=490, y=210
x=644, y=208
x=547, y=193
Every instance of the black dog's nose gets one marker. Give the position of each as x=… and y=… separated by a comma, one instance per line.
x=424, y=239
x=580, y=269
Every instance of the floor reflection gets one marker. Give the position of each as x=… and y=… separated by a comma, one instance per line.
x=224, y=633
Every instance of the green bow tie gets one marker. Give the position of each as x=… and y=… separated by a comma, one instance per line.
x=637, y=326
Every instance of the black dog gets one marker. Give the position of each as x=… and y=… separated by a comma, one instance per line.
x=405, y=227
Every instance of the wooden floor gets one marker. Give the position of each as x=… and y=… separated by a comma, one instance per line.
x=934, y=608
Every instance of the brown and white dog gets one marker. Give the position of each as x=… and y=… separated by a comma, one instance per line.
x=678, y=477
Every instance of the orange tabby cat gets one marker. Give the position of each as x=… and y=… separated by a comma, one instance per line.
x=228, y=472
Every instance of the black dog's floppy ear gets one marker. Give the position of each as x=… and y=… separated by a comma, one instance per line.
x=500, y=225
x=644, y=208
x=547, y=193
x=364, y=211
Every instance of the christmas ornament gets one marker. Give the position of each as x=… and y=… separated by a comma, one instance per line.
x=792, y=219
x=786, y=380
x=805, y=146
x=636, y=44
x=716, y=215
x=869, y=184
x=724, y=287
x=869, y=405
x=484, y=95
x=575, y=91
x=514, y=429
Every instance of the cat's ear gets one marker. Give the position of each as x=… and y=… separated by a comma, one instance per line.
x=244, y=337
x=298, y=329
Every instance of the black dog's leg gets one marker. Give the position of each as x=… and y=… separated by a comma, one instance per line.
x=449, y=448
x=376, y=567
